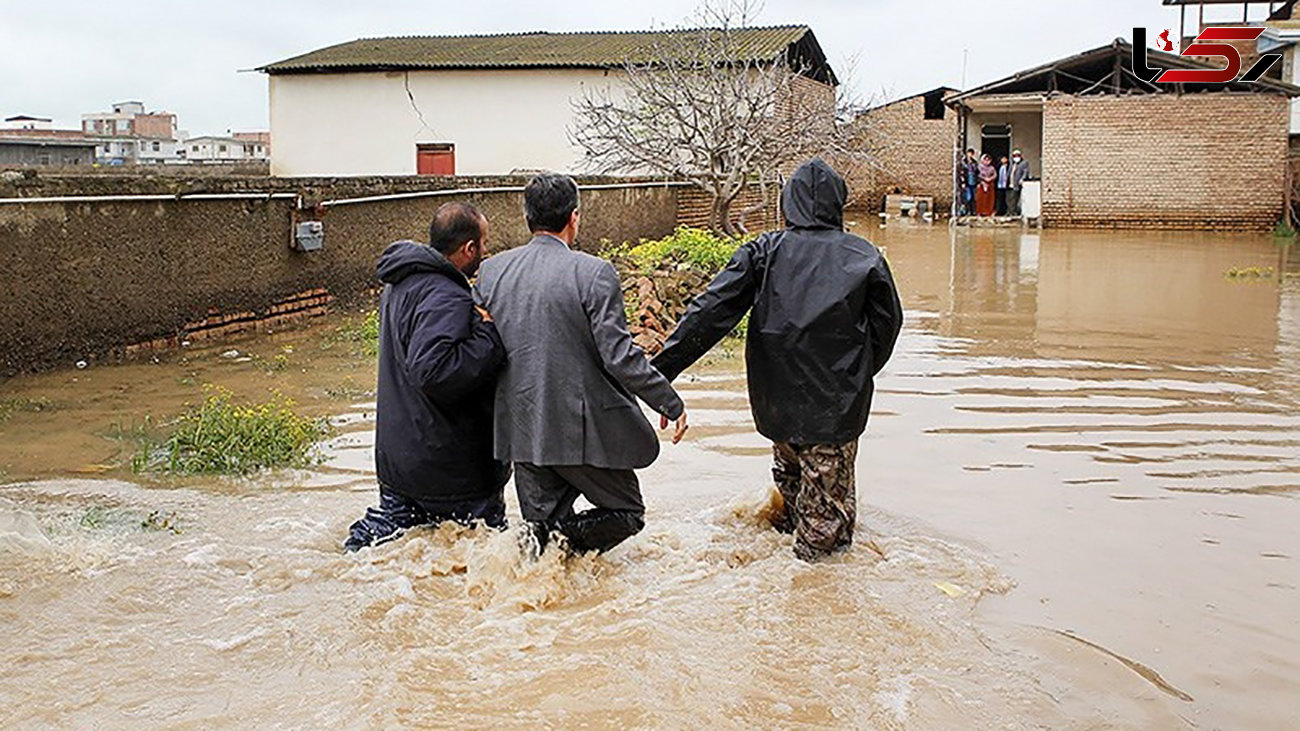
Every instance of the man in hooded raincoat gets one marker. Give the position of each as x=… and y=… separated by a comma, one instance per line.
x=825, y=317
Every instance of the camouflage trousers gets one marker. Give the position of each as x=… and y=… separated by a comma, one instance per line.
x=817, y=485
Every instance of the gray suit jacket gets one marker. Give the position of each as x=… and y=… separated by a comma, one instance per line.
x=566, y=394
x=1019, y=171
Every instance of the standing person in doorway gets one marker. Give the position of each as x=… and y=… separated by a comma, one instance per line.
x=1016, y=182
x=1004, y=178
x=438, y=364
x=969, y=179
x=985, y=193
x=824, y=318
x=566, y=405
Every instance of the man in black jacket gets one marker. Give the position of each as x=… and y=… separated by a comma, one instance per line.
x=439, y=357
x=825, y=317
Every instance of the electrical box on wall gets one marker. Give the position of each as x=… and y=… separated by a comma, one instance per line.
x=309, y=236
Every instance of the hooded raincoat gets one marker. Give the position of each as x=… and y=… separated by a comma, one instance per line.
x=825, y=317
x=438, y=367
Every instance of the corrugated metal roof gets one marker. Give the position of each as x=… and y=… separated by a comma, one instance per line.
x=520, y=50
x=1121, y=48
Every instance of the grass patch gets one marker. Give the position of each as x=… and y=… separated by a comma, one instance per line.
x=11, y=406
x=361, y=332
x=1249, y=273
x=224, y=437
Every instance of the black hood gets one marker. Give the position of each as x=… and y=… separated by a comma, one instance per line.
x=404, y=258
x=814, y=197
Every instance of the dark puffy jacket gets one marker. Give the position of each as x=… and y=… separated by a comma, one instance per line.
x=438, y=365
x=825, y=317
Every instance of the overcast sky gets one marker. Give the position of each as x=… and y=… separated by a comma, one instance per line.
x=60, y=59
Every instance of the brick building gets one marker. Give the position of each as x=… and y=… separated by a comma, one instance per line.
x=910, y=145
x=1114, y=150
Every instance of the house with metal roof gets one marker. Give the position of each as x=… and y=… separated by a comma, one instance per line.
x=1108, y=146
x=468, y=105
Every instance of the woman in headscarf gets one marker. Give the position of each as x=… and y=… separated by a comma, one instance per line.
x=985, y=192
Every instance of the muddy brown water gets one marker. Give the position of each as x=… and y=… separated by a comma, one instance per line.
x=1082, y=476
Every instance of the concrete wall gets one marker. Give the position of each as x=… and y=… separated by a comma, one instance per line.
x=1165, y=161
x=365, y=123
x=84, y=280
x=908, y=151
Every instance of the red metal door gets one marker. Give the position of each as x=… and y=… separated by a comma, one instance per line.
x=435, y=159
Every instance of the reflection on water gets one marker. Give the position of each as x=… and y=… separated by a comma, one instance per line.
x=1117, y=420
x=1080, y=491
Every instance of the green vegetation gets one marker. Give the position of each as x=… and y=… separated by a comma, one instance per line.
x=98, y=517
x=695, y=247
x=678, y=266
x=362, y=333
x=223, y=437
x=1249, y=273
x=10, y=406
x=1284, y=230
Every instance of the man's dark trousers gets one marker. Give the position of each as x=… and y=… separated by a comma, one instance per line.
x=547, y=494
x=398, y=513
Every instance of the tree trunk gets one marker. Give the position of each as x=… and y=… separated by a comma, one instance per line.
x=722, y=216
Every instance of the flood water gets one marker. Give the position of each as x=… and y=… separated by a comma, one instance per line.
x=1079, y=509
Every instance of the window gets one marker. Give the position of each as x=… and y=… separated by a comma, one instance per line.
x=195, y=148
x=934, y=106
x=221, y=148
x=156, y=147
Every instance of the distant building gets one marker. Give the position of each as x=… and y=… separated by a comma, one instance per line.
x=475, y=105
x=129, y=135
x=23, y=121
x=45, y=151
x=260, y=141
x=208, y=149
x=1114, y=150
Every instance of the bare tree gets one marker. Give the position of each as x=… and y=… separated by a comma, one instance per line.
x=696, y=105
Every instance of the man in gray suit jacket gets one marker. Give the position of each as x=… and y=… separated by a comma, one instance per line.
x=566, y=410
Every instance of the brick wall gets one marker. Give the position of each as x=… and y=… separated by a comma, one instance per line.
x=1206, y=161
x=908, y=151
x=695, y=208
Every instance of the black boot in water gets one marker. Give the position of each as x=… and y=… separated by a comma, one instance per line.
x=600, y=529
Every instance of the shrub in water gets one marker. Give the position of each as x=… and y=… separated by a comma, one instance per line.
x=223, y=437
x=363, y=334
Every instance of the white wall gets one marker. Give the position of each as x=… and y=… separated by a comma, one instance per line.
x=364, y=123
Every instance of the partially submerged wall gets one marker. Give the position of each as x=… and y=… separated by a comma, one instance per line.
x=1205, y=161
x=86, y=279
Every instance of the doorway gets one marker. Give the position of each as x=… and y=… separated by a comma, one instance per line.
x=438, y=158
x=995, y=140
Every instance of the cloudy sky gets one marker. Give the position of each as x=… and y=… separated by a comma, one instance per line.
x=63, y=58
